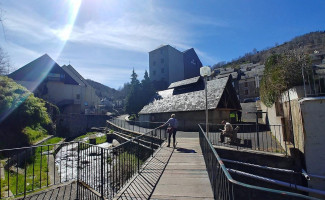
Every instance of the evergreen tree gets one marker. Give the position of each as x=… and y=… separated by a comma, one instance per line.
x=147, y=89
x=139, y=94
x=132, y=103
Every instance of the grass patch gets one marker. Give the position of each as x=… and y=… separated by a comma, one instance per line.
x=100, y=140
x=53, y=140
x=83, y=136
x=36, y=171
x=36, y=174
x=34, y=134
x=125, y=166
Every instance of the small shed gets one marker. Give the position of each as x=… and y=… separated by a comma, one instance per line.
x=186, y=99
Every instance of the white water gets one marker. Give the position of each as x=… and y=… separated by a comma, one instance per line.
x=90, y=159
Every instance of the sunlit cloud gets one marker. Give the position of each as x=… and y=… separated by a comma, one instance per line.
x=64, y=33
x=126, y=29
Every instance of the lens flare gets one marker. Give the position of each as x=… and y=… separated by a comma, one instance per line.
x=64, y=33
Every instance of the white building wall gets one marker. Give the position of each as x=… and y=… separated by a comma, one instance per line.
x=58, y=91
x=313, y=112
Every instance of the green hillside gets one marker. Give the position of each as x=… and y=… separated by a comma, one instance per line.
x=308, y=43
x=24, y=119
x=104, y=91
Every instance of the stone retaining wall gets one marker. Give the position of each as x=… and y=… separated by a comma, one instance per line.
x=73, y=125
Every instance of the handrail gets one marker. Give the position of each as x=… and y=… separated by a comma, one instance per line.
x=231, y=180
x=137, y=137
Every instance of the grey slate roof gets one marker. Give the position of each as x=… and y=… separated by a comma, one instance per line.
x=190, y=101
x=38, y=69
x=320, y=69
x=233, y=74
x=184, y=82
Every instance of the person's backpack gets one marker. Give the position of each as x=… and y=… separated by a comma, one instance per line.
x=170, y=129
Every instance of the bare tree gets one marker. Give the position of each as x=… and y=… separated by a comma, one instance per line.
x=4, y=63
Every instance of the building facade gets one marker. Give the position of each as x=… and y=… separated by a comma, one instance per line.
x=186, y=99
x=249, y=83
x=168, y=65
x=63, y=87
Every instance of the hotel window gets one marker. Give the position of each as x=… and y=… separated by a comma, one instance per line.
x=154, y=63
x=78, y=96
x=246, y=92
x=153, y=72
x=162, y=70
x=246, y=84
x=162, y=60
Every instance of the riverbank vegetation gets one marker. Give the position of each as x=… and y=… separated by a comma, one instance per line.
x=24, y=118
x=35, y=166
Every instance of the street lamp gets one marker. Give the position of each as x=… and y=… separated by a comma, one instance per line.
x=205, y=72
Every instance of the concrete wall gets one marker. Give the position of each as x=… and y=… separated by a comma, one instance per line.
x=279, y=114
x=175, y=65
x=273, y=118
x=313, y=111
x=89, y=96
x=156, y=64
x=308, y=130
x=73, y=125
x=166, y=63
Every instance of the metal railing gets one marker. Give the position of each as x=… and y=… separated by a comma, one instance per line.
x=225, y=187
x=136, y=126
x=112, y=168
x=259, y=137
x=27, y=169
x=100, y=172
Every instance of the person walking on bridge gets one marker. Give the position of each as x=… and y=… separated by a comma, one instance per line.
x=171, y=129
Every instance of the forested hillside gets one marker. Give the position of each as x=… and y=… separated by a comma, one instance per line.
x=307, y=43
x=104, y=91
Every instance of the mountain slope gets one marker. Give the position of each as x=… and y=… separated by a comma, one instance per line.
x=308, y=43
x=104, y=91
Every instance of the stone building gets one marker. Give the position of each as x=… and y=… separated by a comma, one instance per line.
x=168, y=65
x=249, y=83
x=225, y=72
x=64, y=87
x=187, y=100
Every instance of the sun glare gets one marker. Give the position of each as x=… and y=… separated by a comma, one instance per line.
x=74, y=5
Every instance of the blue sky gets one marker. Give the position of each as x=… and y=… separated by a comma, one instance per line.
x=105, y=39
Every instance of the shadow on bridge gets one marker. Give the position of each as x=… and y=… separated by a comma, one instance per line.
x=60, y=192
x=144, y=183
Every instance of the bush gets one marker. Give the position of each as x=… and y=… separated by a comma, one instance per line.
x=133, y=117
x=24, y=118
x=282, y=72
x=34, y=134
